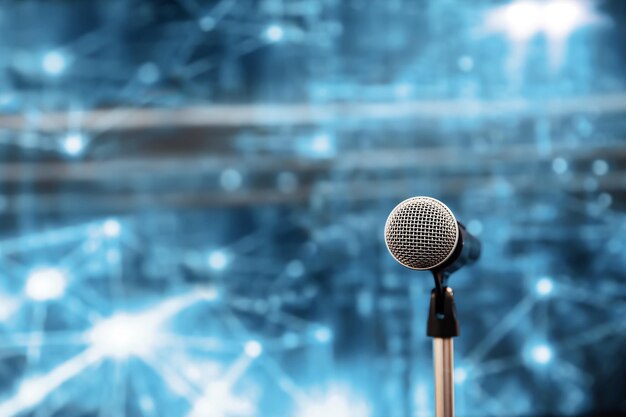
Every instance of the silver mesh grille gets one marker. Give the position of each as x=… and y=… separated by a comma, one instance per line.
x=421, y=233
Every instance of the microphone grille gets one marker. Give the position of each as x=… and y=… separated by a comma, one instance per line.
x=421, y=233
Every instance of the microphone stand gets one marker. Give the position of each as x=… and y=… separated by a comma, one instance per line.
x=443, y=327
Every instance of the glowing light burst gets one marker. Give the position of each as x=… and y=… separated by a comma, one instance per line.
x=54, y=63
x=323, y=334
x=274, y=33
x=144, y=333
x=74, y=144
x=541, y=353
x=112, y=228
x=218, y=260
x=523, y=19
x=46, y=284
x=218, y=401
x=253, y=349
x=119, y=289
x=337, y=402
x=562, y=17
x=544, y=286
x=123, y=335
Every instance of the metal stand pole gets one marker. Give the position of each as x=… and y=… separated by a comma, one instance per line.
x=443, y=355
x=443, y=326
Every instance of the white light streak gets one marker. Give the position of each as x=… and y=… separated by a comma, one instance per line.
x=35, y=389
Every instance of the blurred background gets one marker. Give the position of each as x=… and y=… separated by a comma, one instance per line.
x=193, y=196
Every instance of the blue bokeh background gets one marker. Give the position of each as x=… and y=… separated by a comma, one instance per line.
x=193, y=197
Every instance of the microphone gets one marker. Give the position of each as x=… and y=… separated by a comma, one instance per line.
x=422, y=233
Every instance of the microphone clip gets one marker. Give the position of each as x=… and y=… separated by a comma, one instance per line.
x=442, y=321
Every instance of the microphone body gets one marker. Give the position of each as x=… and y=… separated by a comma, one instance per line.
x=466, y=252
x=422, y=233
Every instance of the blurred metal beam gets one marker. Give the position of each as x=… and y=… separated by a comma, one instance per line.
x=452, y=159
x=97, y=201
x=308, y=113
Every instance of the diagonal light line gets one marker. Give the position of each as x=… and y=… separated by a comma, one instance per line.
x=174, y=305
x=237, y=369
x=173, y=378
x=135, y=332
x=495, y=366
x=218, y=394
x=492, y=405
x=499, y=331
x=34, y=390
x=611, y=328
x=593, y=297
x=40, y=338
x=47, y=238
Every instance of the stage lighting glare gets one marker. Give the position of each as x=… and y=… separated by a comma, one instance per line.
x=123, y=335
x=562, y=17
x=219, y=401
x=218, y=260
x=274, y=33
x=523, y=19
x=31, y=392
x=46, y=284
x=73, y=144
x=337, y=403
x=111, y=228
x=541, y=354
x=544, y=286
x=53, y=63
x=253, y=349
